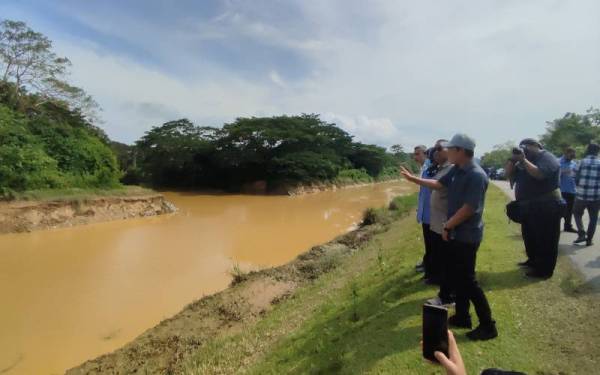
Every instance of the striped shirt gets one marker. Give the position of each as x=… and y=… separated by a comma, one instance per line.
x=588, y=179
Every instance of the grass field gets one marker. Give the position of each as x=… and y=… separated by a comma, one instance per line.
x=365, y=315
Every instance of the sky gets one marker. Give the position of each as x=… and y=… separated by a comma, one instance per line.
x=387, y=71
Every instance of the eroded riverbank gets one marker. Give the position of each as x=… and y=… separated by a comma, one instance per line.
x=27, y=216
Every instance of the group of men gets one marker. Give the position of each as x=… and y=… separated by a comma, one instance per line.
x=451, y=202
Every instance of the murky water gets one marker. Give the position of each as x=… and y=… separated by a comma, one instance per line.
x=68, y=295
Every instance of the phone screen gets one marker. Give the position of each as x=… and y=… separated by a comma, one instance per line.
x=435, y=331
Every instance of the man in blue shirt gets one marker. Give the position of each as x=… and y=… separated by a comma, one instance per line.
x=567, y=185
x=420, y=156
x=467, y=184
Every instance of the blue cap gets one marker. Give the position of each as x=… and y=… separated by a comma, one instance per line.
x=462, y=141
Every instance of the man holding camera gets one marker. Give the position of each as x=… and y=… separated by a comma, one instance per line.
x=536, y=173
x=467, y=184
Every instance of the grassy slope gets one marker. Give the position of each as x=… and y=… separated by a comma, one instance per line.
x=546, y=327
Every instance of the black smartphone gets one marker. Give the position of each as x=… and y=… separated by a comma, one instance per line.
x=435, y=331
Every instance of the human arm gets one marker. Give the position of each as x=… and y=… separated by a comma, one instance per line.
x=432, y=184
x=510, y=169
x=463, y=213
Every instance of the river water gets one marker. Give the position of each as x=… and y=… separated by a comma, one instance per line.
x=71, y=294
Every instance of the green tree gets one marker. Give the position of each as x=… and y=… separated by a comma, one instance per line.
x=172, y=154
x=27, y=60
x=370, y=157
x=572, y=130
x=498, y=156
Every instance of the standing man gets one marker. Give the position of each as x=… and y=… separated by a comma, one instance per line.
x=420, y=156
x=536, y=173
x=467, y=184
x=567, y=185
x=438, y=217
x=588, y=193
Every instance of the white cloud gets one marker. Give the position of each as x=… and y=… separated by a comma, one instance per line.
x=380, y=131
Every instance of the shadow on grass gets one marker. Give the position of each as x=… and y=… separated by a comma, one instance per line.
x=573, y=286
x=511, y=279
x=340, y=344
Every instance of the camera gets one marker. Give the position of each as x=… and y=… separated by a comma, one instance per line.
x=517, y=151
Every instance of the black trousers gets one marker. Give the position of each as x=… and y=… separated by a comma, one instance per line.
x=462, y=274
x=570, y=199
x=441, y=270
x=427, y=257
x=592, y=208
x=541, y=231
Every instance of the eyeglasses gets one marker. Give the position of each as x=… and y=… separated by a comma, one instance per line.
x=439, y=148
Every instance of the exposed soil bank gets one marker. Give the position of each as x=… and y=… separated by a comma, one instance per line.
x=164, y=349
x=261, y=187
x=26, y=216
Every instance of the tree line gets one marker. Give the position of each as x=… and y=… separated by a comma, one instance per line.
x=279, y=150
x=572, y=130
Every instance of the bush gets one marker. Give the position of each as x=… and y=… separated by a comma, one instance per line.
x=350, y=176
x=403, y=203
x=42, y=151
x=375, y=216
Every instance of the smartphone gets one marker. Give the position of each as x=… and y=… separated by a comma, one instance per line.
x=435, y=331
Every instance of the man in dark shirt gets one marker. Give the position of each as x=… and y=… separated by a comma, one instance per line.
x=536, y=173
x=467, y=184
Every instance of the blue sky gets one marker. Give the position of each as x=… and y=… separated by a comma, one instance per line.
x=387, y=71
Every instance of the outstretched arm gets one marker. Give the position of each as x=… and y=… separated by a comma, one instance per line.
x=432, y=184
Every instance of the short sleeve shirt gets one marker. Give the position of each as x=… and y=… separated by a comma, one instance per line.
x=567, y=175
x=528, y=187
x=467, y=185
x=438, y=213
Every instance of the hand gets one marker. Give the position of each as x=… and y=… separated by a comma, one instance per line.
x=453, y=365
x=518, y=157
x=445, y=235
x=406, y=174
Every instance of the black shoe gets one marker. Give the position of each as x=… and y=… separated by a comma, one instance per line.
x=483, y=332
x=581, y=238
x=537, y=275
x=460, y=322
x=588, y=243
x=570, y=230
x=527, y=263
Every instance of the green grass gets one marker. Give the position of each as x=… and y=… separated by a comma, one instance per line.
x=365, y=315
x=78, y=194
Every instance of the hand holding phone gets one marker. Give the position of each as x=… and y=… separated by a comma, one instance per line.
x=435, y=331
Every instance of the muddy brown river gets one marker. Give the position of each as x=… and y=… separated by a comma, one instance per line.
x=68, y=295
